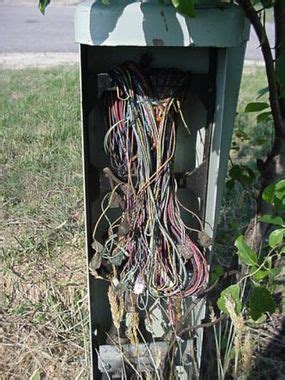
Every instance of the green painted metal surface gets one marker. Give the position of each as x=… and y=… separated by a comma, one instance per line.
x=151, y=24
x=126, y=31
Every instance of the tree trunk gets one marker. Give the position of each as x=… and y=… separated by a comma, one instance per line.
x=272, y=168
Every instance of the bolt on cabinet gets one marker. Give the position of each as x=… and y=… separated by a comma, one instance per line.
x=210, y=48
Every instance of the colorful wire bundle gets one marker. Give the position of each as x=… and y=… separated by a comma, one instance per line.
x=148, y=245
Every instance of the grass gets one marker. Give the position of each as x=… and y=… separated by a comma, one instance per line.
x=254, y=140
x=251, y=140
x=44, y=299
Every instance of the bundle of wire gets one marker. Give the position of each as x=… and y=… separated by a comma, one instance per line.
x=157, y=255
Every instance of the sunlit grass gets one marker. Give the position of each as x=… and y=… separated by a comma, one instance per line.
x=44, y=297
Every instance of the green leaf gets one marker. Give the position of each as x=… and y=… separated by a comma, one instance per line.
x=260, y=274
x=279, y=204
x=216, y=273
x=276, y=237
x=260, y=301
x=275, y=195
x=186, y=7
x=259, y=320
x=280, y=189
x=243, y=174
x=246, y=255
x=262, y=92
x=36, y=375
x=271, y=219
x=256, y=106
x=268, y=193
x=264, y=116
x=280, y=71
x=43, y=4
x=274, y=272
x=231, y=293
x=263, y=273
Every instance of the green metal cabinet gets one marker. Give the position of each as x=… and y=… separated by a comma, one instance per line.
x=211, y=47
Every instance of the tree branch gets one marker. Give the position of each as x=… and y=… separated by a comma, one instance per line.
x=252, y=15
x=279, y=18
x=203, y=325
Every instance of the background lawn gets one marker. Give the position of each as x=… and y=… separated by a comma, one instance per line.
x=44, y=300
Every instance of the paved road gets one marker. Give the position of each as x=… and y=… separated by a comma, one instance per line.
x=23, y=29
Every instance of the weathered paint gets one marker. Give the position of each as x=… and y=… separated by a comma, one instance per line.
x=123, y=31
x=151, y=24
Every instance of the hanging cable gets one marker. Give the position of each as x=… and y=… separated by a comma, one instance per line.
x=149, y=245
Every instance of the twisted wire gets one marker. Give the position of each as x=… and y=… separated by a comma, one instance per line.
x=157, y=254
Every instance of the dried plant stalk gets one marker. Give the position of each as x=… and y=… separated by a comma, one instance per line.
x=237, y=320
x=247, y=353
x=132, y=330
x=158, y=359
x=117, y=307
x=149, y=376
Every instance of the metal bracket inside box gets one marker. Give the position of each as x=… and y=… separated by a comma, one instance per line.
x=211, y=47
x=141, y=356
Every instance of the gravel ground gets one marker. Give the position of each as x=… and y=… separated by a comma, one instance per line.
x=20, y=61
x=39, y=60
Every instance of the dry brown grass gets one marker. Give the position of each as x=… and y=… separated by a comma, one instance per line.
x=44, y=316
